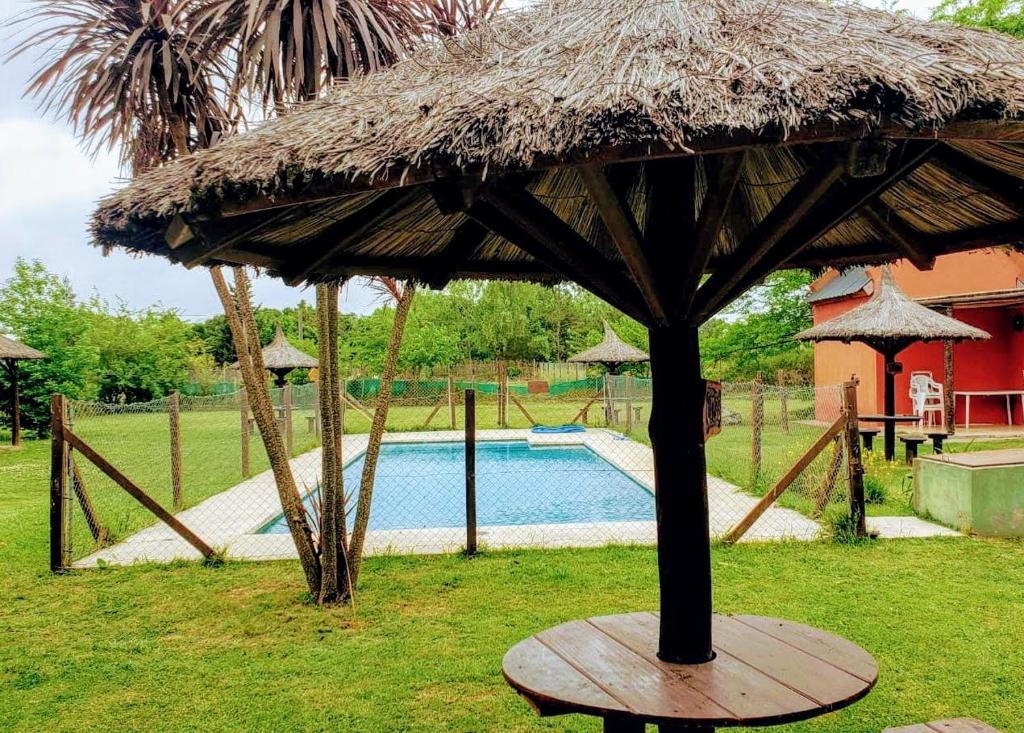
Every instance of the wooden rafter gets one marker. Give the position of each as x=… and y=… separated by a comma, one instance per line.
x=723, y=173
x=734, y=270
x=839, y=202
x=991, y=181
x=209, y=242
x=618, y=219
x=465, y=241
x=347, y=232
x=514, y=231
x=578, y=259
x=888, y=222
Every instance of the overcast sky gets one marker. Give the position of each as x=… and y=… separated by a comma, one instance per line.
x=49, y=184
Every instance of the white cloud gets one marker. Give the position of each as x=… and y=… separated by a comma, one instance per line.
x=41, y=166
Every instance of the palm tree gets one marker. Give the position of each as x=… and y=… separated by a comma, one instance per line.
x=402, y=294
x=129, y=75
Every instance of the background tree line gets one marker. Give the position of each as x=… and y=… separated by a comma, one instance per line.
x=102, y=351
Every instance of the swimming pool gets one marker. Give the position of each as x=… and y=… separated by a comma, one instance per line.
x=421, y=485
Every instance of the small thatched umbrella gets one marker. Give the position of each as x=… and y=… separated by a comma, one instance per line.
x=612, y=353
x=666, y=156
x=890, y=322
x=11, y=352
x=280, y=358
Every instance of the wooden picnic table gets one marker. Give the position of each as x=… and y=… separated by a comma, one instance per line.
x=765, y=672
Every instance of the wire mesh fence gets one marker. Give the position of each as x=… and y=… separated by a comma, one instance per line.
x=560, y=464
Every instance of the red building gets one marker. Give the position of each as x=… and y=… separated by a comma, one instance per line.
x=984, y=288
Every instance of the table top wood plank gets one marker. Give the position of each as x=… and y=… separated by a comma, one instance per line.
x=633, y=681
x=820, y=680
x=829, y=647
x=537, y=668
x=742, y=690
x=766, y=672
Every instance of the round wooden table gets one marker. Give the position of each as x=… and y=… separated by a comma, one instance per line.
x=766, y=671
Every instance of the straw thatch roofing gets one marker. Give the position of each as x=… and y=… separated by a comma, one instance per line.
x=611, y=350
x=13, y=349
x=889, y=320
x=279, y=355
x=328, y=191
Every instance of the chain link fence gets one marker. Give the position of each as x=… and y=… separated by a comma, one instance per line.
x=564, y=463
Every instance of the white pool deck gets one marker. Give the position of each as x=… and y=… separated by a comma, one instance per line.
x=230, y=521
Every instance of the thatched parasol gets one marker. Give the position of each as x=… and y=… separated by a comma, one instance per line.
x=890, y=322
x=11, y=352
x=611, y=353
x=631, y=147
x=280, y=358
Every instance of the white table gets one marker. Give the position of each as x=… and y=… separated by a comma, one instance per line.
x=1009, y=394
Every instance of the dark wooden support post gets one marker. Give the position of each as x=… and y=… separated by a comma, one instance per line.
x=451, y=400
x=757, y=426
x=681, y=499
x=783, y=402
x=889, y=428
x=470, y=421
x=177, y=494
x=243, y=398
x=12, y=372
x=854, y=465
x=949, y=407
x=60, y=524
x=286, y=409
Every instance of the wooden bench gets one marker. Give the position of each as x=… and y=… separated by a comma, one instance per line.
x=868, y=435
x=955, y=725
x=912, y=442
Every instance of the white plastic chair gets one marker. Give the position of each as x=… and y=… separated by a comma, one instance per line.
x=928, y=397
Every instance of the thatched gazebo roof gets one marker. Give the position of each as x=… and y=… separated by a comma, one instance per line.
x=326, y=191
x=612, y=351
x=11, y=349
x=890, y=321
x=280, y=354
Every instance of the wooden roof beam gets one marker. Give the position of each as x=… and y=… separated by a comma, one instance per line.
x=888, y=222
x=734, y=271
x=210, y=241
x=584, y=262
x=618, y=219
x=723, y=173
x=836, y=204
x=979, y=175
x=348, y=231
x=513, y=230
x=465, y=241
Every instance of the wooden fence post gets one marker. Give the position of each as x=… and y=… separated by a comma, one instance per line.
x=854, y=466
x=60, y=525
x=286, y=410
x=783, y=402
x=629, y=403
x=470, y=422
x=757, y=426
x=502, y=389
x=451, y=400
x=177, y=493
x=243, y=398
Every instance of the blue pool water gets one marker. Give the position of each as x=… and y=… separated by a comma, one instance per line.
x=421, y=485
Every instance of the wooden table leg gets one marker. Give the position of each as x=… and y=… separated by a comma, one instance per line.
x=618, y=724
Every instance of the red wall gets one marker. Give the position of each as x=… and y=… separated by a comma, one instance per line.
x=977, y=365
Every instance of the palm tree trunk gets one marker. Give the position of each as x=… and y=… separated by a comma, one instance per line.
x=380, y=416
x=333, y=540
x=238, y=310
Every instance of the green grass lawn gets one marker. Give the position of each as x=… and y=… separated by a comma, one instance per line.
x=237, y=648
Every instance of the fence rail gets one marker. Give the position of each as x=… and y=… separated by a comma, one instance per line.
x=461, y=466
